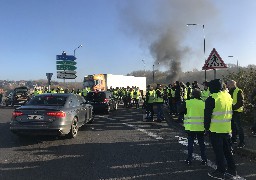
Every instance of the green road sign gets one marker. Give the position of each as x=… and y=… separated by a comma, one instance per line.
x=66, y=62
x=66, y=67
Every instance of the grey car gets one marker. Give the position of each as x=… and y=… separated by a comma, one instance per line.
x=52, y=114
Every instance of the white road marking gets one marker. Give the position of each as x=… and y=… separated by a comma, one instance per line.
x=183, y=141
x=144, y=131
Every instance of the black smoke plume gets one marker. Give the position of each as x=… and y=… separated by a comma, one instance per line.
x=160, y=26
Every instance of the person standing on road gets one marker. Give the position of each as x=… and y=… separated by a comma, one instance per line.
x=150, y=95
x=179, y=100
x=189, y=90
x=217, y=121
x=194, y=124
x=205, y=91
x=136, y=97
x=238, y=104
x=159, y=102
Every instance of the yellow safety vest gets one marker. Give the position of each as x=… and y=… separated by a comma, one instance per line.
x=151, y=96
x=194, y=119
x=205, y=94
x=185, y=95
x=222, y=113
x=84, y=92
x=158, y=99
x=241, y=109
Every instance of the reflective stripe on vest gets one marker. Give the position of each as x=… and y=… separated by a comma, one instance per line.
x=222, y=113
x=235, y=99
x=194, y=119
x=185, y=95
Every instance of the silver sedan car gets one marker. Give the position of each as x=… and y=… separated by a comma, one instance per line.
x=52, y=114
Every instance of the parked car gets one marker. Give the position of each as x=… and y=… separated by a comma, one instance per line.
x=19, y=96
x=52, y=114
x=102, y=101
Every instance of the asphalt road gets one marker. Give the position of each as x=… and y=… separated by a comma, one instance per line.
x=115, y=146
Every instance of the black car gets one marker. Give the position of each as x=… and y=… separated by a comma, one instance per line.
x=52, y=114
x=102, y=101
x=19, y=96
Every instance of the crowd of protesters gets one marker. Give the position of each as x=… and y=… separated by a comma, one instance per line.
x=214, y=109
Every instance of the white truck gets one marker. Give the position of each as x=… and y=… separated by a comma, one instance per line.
x=102, y=82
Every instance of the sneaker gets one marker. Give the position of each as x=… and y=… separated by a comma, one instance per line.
x=216, y=174
x=241, y=145
x=188, y=162
x=204, y=162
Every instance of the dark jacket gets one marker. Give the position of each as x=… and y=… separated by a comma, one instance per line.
x=240, y=99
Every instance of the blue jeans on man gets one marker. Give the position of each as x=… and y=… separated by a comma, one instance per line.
x=160, y=114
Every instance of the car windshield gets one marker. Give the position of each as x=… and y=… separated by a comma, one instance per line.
x=48, y=101
x=21, y=90
x=96, y=96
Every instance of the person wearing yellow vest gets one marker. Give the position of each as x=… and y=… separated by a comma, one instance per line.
x=189, y=90
x=159, y=102
x=205, y=91
x=238, y=104
x=169, y=96
x=150, y=96
x=84, y=92
x=136, y=97
x=217, y=121
x=193, y=109
x=36, y=92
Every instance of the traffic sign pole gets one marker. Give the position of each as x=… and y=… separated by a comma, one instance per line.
x=65, y=66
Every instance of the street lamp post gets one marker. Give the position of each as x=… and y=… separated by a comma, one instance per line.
x=76, y=49
x=153, y=73
x=236, y=63
x=204, y=45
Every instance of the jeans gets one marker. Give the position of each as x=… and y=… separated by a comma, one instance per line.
x=200, y=137
x=160, y=114
x=222, y=150
x=237, y=127
x=180, y=114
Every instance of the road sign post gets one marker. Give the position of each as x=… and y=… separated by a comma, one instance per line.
x=65, y=66
x=214, y=62
x=49, y=77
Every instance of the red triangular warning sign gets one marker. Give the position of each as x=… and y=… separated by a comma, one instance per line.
x=214, y=61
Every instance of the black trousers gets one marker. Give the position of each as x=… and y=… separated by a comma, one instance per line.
x=222, y=149
x=237, y=128
x=150, y=110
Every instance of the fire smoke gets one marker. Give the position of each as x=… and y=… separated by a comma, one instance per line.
x=160, y=26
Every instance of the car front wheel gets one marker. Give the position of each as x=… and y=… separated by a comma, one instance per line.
x=73, y=129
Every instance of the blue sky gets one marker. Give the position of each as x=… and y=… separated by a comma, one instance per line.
x=116, y=34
